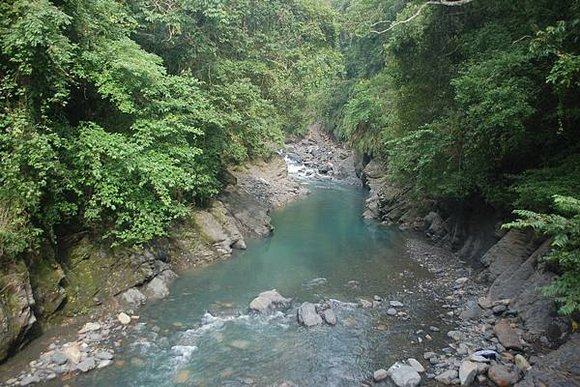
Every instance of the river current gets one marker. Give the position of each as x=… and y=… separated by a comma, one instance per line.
x=321, y=249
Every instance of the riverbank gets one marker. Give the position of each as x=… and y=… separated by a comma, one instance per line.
x=489, y=281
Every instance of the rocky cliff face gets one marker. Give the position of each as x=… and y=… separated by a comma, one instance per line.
x=82, y=275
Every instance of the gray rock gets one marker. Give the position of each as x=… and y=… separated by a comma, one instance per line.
x=416, y=365
x=329, y=316
x=472, y=311
x=429, y=355
x=404, y=375
x=396, y=304
x=307, y=315
x=268, y=301
x=59, y=358
x=104, y=363
x=467, y=372
x=29, y=379
x=447, y=377
x=156, y=289
x=380, y=375
x=86, y=365
x=104, y=355
x=455, y=335
x=392, y=312
x=499, y=309
x=90, y=327
x=133, y=297
x=365, y=303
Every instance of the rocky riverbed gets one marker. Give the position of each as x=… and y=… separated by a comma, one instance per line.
x=497, y=329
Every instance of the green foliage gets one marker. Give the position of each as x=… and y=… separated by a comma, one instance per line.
x=563, y=227
x=115, y=117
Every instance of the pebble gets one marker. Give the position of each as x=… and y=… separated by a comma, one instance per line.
x=433, y=329
x=455, y=335
x=522, y=363
x=392, y=312
x=124, y=318
x=467, y=372
x=104, y=363
x=396, y=304
x=90, y=327
x=429, y=355
x=447, y=377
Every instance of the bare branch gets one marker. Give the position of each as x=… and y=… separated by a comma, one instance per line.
x=393, y=24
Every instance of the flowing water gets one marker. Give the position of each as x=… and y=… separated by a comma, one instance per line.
x=321, y=249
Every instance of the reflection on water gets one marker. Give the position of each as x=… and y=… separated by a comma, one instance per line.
x=321, y=250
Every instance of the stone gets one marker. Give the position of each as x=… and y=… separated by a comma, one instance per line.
x=380, y=375
x=392, y=312
x=507, y=336
x=461, y=281
x=124, y=318
x=504, y=375
x=455, y=335
x=467, y=372
x=104, y=355
x=104, y=363
x=90, y=327
x=365, y=303
x=329, y=316
x=434, y=329
x=156, y=289
x=377, y=298
x=404, y=375
x=72, y=352
x=307, y=315
x=29, y=379
x=86, y=365
x=499, y=309
x=133, y=297
x=521, y=362
x=472, y=311
x=396, y=304
x=429, y=355
x=416, y=365
x=59, y=358
x=447, y=377
x=267, y=301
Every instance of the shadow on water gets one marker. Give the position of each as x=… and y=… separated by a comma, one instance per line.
x=321, y=249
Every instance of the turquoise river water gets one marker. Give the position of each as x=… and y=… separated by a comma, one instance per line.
x=203, y=335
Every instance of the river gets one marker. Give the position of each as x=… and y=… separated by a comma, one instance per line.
x=321, y=249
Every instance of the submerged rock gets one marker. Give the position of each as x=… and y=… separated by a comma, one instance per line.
x=268, y=301
x=307, y=315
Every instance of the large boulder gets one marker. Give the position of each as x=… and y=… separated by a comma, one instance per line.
x=507, y=336
x=404, y=375
x=308, y=316
x=158, y=288
x=268, y=301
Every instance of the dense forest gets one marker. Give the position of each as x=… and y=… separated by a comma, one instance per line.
x=117, y=116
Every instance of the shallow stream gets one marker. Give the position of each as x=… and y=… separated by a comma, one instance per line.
x=203, y=335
